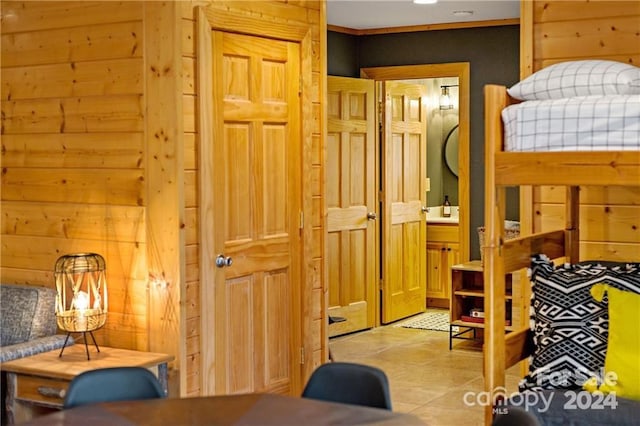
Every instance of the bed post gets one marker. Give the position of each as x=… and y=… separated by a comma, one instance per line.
x=572, y=222
x=494, y=275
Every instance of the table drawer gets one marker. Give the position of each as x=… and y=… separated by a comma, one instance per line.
x=41, y=390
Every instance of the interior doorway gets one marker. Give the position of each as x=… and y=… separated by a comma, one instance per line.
x=461, y=70
x=363, y=304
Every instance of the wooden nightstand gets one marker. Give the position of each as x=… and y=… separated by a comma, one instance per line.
x=37, y=384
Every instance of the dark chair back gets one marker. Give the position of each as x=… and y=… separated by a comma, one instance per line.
x=515, y=417
x=349, y=383
x=112, y=384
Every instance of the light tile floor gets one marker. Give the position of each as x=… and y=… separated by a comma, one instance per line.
x=426, y=379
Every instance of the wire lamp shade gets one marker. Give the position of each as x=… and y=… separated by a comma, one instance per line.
x=81, y=300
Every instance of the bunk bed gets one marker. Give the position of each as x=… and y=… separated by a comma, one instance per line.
x=595, y=167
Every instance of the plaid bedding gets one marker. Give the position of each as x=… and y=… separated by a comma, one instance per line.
x=581, y=123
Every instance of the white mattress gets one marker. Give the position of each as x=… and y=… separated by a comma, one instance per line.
x=582, y=123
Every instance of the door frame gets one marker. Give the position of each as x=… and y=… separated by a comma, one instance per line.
x=207, y=19
x=461, y=70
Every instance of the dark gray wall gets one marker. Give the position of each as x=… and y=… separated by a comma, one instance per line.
x=493, y=54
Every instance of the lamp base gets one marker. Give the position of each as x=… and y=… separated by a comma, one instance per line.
x=86, y=345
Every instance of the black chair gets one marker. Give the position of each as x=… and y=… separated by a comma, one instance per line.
x=350, y=384
x=112, y=384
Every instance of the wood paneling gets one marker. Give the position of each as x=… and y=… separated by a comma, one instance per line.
x=571, y=30
x=99, y=153
x=74, y=44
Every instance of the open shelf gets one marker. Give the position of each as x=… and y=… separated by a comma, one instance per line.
x=467, y=295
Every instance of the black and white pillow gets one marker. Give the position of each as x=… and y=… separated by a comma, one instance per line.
x=570, y=328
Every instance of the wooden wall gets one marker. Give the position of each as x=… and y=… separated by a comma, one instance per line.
x=73, y=150
x=99, y=153
x=555, y=31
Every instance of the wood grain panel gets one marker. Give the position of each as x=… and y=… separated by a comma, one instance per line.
x=72, y=45
x=188, y=76
x=274, y=164
x=27, y=276
x=123, y=113
x=190, y=189
x=633, y=59
x=23, y=16
x=609, y=251
x=553, y=11
x=239, y=17
x=124, y=187
x=597, y=223
x=601, y=37
x=239, y=335
x=98, y=222
x=277, y=326
x=35, y=253
x=96, y=78
x=189, y=113
x=623, y=195
x=76, y=150
x=190, y=151
x=442, y=233
x=188, y=40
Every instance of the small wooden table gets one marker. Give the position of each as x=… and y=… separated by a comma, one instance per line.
x=247, y=409
x=37, y=384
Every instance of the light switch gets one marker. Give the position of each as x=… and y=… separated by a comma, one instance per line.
x=427, y=184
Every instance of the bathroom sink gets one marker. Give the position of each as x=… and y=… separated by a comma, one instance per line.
x=434, y=215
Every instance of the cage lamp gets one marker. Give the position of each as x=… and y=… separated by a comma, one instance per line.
x=81, y=299
x=445, y=98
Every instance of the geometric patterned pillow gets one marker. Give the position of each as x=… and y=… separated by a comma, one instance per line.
x=569, y=326
x=625, y=276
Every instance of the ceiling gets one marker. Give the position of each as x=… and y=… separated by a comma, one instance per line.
x=370, y=14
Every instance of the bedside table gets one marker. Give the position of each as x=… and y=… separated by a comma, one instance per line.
x=37, y=384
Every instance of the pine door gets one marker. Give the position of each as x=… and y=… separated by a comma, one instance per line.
x=257, y=203
x=351, y=203
x=404, y=196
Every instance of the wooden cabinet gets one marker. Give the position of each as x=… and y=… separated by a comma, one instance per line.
x=467, y=300
x=443, y=250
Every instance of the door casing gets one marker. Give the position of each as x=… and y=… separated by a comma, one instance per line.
x=302, y=344
x=461, y=70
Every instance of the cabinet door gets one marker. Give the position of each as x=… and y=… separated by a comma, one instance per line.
x=436, y=264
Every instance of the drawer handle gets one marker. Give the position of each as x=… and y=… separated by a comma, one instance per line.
x=52, y=392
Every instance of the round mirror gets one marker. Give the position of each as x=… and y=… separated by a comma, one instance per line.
x=451, y=150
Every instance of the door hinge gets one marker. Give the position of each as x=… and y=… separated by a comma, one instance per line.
x=301, y=354
x=301, y=220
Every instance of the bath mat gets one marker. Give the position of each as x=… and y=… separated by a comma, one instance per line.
x=433, y=319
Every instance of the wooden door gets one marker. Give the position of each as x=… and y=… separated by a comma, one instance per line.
x=351, y=203
x=257, y=205
x=404, y=185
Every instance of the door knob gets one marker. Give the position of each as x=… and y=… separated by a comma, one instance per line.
x=372, y=216
x=222, y=261
x=425, y=209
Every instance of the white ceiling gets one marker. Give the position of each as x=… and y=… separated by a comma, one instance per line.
x=368, y=14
